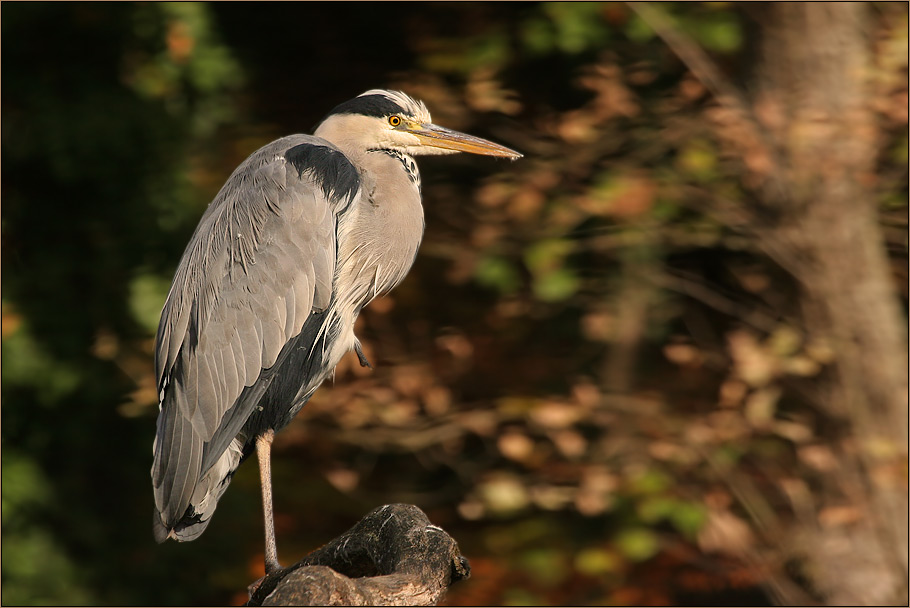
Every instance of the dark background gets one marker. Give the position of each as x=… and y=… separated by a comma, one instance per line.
x=590, y=378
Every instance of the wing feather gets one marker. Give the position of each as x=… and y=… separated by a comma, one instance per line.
x=290, y=313
x=232, y=380
x=260, y=262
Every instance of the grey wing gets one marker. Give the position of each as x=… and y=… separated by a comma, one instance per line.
x=260, y=263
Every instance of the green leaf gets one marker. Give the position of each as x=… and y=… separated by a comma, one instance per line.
x=24, y=486
x=699, y=160
x=785, y=340
x=27, y=558
x=719, y=31
x=900, y=153
x=547, y=255
x=688, y=518
x=578, y=25
x=597, y=562
x=489, y=51
x=27, y=363
x=650, y=482
x=537, y=36
x=147, y=295
x=547, y=566
x=664, y=210
x=556, y=286
x=516, y=596
x=656, y=508
x=637, y=544
x=638, y=30
x=497, y=273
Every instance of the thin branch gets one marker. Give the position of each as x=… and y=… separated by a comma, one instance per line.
x=706, y=71
x=712, y=298
x=696, y=59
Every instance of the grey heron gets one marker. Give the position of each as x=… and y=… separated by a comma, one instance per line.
x=305, y=233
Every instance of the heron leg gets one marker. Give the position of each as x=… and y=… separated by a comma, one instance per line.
x=263, y=454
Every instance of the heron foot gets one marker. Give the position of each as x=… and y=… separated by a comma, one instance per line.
x=254, y=586
x=270, y=571
x=363, y=359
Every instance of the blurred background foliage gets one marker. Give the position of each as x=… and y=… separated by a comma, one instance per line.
x=593, y=382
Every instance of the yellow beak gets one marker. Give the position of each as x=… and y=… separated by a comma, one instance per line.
x=447, y=139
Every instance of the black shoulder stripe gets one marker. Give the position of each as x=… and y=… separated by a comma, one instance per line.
x=368, y=105
x=331, y=169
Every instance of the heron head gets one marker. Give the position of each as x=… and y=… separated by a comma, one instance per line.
x=391, y=120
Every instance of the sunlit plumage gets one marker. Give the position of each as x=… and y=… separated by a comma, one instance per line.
x=304, y=234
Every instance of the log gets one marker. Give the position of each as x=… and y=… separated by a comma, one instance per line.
x=393, y=556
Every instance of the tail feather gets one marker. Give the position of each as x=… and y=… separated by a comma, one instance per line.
x=187, y=529
x=203, y=502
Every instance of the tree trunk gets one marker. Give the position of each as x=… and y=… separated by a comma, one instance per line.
x=813, y=98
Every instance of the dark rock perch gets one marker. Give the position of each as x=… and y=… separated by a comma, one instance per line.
x=393, y=557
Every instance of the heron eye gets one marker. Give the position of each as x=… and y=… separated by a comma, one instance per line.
x=394, y=121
